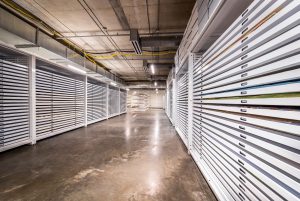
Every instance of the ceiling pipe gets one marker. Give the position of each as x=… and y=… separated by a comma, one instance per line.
x=119, y=35
x=21, y=26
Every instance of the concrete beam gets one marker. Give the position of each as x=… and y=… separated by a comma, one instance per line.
x=117, y=7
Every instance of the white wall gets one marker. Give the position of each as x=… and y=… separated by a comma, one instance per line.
x=155, y=99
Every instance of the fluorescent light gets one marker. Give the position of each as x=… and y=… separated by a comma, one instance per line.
x=152, y=68
x=156, y=89
x=77, y=69
x=127, y=89
x=155, y=83
x=113, y=83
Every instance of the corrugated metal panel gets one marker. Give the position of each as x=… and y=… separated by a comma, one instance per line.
x=246, y=106
x=96, y=101
x=123, y=101
x=113, y=101
x=182, y=107
x=14, y=112
x=59, y=103
x=170, y=101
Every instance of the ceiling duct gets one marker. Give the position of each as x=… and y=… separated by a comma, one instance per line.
x=136, y=41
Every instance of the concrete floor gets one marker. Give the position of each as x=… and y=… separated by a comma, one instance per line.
x=133, y=157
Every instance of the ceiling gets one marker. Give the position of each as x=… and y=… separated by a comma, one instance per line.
x=102, y=29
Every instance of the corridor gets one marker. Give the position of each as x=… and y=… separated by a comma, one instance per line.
x=133, y=157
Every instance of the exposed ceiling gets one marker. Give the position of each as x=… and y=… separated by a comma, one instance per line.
x=102, y=28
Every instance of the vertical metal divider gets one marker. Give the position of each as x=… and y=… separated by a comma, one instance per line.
x=32, y=99
x=85, y=100
x=107, y=101
x=190, y=102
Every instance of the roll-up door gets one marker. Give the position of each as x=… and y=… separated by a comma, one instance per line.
x=123, y=100
x=113, y=100
x=59, y=102
x=246, y=105
x=96, y=101
x=14, y=112
x=182, y=107
x=170, y=99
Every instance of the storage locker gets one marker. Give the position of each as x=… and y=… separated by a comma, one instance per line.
x=59, y=101
x=170, y=96
x=96, y=100
x=246, y=105
x=123, y=100
x=113, y=101
x=182, y=106
x=14, y=112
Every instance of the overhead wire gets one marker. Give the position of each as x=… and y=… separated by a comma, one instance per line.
x=88, y=55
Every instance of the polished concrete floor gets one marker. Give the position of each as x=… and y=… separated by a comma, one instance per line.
x=132, y=157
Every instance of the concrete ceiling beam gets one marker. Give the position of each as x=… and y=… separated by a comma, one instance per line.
x=117, y=7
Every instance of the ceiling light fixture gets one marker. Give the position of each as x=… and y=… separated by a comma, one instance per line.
x=76, y=69
x=155, y=83
x=113, y=83
x=152, y=68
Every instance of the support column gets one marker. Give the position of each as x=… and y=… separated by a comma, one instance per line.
x=32, y=99
x=85, y=100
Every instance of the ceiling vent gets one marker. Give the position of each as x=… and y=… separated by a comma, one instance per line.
x=136, y=41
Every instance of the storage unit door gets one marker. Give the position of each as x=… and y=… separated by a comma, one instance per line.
x=171, y=101
x=123, y=98
x=114, y=105
x=59, y=103
x=246, y=105
x=182, y=107
x=14, y=112
x=96, y=101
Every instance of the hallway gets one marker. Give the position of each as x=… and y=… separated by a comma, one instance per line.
x=132, y=157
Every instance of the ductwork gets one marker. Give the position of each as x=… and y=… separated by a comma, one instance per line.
x=135, y=40
x=34, y=37
x=161, y=41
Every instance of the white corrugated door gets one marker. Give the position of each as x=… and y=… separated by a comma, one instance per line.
x=123, y=99
x=96, y=101
x=113, y=100
x=14, y=113
x=182, y=107
x=59, y=103
x=246, y=98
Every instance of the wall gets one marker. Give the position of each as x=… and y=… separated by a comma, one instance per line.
x=154, y=99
